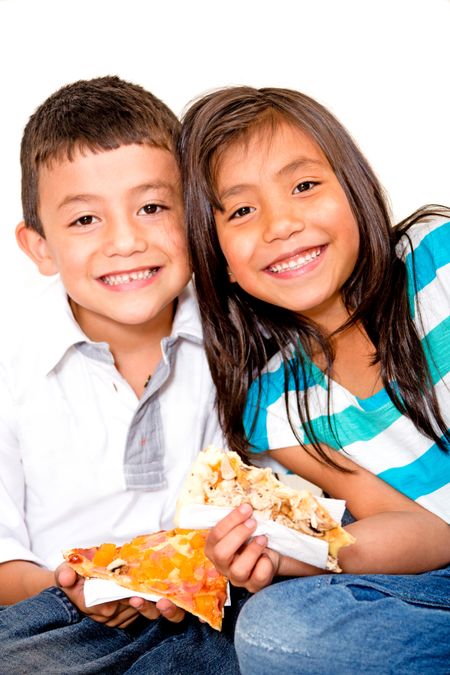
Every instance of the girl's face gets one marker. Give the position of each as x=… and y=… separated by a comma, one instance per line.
x=287, y=231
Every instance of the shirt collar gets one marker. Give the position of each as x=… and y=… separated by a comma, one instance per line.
x=59, y=330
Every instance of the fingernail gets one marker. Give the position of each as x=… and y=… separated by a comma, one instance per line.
x=250, y=523
x=261, y=540
x=245, y=509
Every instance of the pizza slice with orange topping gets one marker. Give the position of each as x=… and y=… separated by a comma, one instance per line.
x=171, y=564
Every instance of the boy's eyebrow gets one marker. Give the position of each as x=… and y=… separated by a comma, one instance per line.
x=145, y=187
x=300, y=163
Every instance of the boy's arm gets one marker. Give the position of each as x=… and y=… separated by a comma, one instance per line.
x=20, y=579
x=20, y=572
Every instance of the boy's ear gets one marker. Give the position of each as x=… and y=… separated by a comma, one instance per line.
x=35, y=246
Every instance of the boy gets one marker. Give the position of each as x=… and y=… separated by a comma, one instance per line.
x=104, y=409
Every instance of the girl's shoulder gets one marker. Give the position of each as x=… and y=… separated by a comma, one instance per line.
x=428, y=239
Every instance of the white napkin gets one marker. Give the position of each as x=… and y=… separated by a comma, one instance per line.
x=282, y=539
x=97, y=591
x=102, y=590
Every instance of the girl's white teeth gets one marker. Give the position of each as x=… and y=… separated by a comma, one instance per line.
x=116, y=279
x=295, y=263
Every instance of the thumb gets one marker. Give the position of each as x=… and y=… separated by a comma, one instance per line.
x=65, y=576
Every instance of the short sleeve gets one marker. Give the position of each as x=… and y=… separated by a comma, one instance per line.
x=265, y=418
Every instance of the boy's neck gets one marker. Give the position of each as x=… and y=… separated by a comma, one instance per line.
x=136, y=348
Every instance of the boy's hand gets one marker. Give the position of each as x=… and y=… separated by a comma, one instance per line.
x=163, y=607
x=245, y=563
x=115, y=614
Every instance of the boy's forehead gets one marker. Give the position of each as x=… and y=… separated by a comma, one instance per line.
x=79, y=150
x=128, y=168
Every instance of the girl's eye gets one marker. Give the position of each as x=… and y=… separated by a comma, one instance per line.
x=304, y=186
x=243, y=211
x=150, y=209
x=85, y=221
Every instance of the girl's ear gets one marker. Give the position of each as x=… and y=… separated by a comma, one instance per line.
x=231, y=276
x=35, y=246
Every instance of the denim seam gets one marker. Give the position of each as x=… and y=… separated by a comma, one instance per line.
x=68, y=606
x=404, y=597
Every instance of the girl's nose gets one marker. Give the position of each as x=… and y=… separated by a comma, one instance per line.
x=282, y=223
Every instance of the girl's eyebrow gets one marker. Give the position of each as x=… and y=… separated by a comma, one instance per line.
x=299, y=163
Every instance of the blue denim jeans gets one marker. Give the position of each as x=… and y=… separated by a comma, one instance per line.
x=47, y=635
x=348, y=624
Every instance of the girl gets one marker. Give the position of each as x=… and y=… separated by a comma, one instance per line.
x=295, y=258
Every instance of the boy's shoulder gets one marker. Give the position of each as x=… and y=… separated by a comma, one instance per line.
x=187, y=320
x=40, y=327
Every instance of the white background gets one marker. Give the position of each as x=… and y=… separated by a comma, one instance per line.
x=382, y=66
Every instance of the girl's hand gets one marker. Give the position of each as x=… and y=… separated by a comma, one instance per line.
x=245, y=563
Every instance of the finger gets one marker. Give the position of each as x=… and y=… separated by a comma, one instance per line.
x=262, y=574
x=107, y=610
x=119, y=620
x=170, y=611
x=225, y=550
x=243, y=564
x=224, y=526
x=145, y=607
x=65, y=576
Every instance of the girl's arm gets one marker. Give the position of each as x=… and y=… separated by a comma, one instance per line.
x=395, y=535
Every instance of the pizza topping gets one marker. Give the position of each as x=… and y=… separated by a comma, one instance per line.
x=226, y=469
x=171, y=564
x=221, y=479
x=116, y=564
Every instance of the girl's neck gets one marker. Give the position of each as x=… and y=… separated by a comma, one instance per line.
x=353, y=366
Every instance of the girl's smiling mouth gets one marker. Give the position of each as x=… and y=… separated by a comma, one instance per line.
x=296, y=261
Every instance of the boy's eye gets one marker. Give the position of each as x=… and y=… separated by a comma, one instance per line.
x=85, y=221
x=241, y=212
x=150, y=209
x=304, y=186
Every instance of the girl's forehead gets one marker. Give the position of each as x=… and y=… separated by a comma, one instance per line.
x=267, y=142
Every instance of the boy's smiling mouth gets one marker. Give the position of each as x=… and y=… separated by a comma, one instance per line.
x=296, y=261
x=123, y=278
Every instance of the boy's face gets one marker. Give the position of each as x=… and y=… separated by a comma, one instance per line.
x=114, y=230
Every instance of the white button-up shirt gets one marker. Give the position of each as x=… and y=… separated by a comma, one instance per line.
x=82, y=460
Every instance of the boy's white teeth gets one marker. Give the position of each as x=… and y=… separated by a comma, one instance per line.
x=116, y=279
x=296, y=262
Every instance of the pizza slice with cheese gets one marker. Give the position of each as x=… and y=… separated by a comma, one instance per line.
x=171, y=564
x=221, y=478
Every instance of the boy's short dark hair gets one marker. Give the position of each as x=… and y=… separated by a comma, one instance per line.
x=97, y=115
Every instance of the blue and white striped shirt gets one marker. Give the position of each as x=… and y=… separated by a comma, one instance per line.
x=372, y=431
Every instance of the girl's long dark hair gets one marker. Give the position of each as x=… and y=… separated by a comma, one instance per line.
x=242, y=332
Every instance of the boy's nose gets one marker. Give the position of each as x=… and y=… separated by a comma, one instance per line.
x=123, y=239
